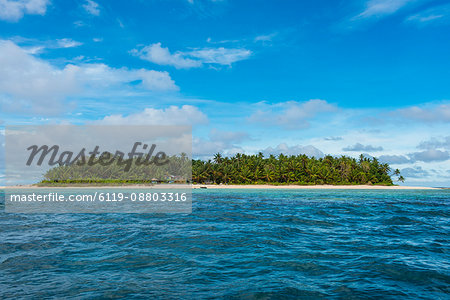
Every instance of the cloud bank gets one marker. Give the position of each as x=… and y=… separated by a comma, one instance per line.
x=30, y=84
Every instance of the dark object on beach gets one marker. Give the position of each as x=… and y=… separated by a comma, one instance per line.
x=203, y=187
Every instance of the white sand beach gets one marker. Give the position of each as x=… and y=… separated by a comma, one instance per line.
x=232, y=186
x=334, y=187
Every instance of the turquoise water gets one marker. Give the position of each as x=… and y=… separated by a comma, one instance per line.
x=238, y=244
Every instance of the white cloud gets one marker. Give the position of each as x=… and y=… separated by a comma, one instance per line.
x=162, y=56
x=13, y=11
x=79, y=23
x=121, y=25
x=308, y=150
x=394, y=159
x=428, y=113
x=173, y=115
x=221, y=56
x=425, y=18
x=434, y=15
x=92, y=8
x=205, y=148
x=377, y=8
x=430, y=155
x=191, y=59
x=228, y=136
x=34, y=46
x=192, y=1
x=431, y=113
x=291, y=114
x=415, y=172
x=224, y=142
x=265, y=37
x=210, y=41
x=360, y=147
x=67, y=43
x=31, y=84
x=104, y=76
x=434, y=143
x=333, y=138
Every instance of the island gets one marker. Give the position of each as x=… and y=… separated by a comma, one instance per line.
x=239, y=169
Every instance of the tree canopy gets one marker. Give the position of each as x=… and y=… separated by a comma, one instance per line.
x=237, y=169
x=294, y=169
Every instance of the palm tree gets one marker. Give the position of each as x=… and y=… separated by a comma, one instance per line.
x=218, y=158
x=240, y=168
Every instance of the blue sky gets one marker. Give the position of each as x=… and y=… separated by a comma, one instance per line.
x=314, y=77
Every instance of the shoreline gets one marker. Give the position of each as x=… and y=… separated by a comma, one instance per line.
x=313, y=187
x=232, y=186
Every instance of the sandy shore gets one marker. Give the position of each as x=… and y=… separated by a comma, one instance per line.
x=249, y=186
x=306, y=187
x=137, y=186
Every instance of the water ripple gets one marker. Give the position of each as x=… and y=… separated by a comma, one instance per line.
x=238, y=245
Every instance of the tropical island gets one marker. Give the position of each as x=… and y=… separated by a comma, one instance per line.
x=293, y=170
x=240, y=169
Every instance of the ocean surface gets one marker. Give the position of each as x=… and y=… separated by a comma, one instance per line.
x=236, y=244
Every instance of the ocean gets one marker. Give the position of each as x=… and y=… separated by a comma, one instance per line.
x=238, y=244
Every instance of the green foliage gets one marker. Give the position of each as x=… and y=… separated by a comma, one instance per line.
x=299, y=169
x=177, y=169
x=238, y=169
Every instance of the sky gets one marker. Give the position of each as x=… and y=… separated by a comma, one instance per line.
x=313, y=77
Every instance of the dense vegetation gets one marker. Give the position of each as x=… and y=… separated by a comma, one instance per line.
x=177, y=169
x=239, y=169
x=300, y=169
